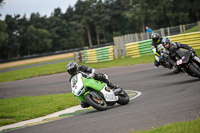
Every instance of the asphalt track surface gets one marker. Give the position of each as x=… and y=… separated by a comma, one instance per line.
x=166, y=98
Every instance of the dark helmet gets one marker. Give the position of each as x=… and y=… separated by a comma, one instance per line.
x=155, y=37
x=72, y=68
x=166, y=42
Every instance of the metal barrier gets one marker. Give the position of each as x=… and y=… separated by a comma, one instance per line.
x=121, y=41
x=134, y=49
x=137, y=49
x=95, y=55
x=191, y=39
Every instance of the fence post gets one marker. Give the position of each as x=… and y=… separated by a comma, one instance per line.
x=126, y=38
x=162, y=32
x=142, y=36
x=129, y=38
x=76, y=56
x=81, y=56
x=132, y=38
x=199, y=25
x=116, y=47
x=147, y=35
x=136, y=36
x=168, y=31
x=181, y=29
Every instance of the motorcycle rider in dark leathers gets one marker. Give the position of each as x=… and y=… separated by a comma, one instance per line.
x=73, y=69
x=156, y=40
x=172, y=47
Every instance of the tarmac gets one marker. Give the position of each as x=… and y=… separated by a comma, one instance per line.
x=58, y=115
x=42, y=119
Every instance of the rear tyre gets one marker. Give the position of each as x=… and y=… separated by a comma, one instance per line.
x=97, y=103
x=123, y=98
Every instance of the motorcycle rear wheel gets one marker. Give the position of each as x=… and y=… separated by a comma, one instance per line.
x=98, y=104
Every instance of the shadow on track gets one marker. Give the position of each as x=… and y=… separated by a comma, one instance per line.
x=96, y=111
x=170, y=73
x=185, y=82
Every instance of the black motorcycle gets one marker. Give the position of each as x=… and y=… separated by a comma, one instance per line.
x=189, y=62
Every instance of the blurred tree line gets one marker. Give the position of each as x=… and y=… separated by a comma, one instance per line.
x=88, y=23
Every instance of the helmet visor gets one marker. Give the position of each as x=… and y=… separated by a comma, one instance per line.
x=155, y=40
x=166, y=45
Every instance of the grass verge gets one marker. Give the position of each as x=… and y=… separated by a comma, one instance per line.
x=18, y=109
x=193, y=29
x=61, y=67
x=34, y=63
x=33, y=72
x=180, y=127
x=35, y=60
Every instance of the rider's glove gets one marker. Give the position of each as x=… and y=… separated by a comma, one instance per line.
x=192, y=50
x=91, y=75
x=160, y=57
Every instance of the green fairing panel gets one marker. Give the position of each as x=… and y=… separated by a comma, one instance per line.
x=81, y=98
x=92, y=83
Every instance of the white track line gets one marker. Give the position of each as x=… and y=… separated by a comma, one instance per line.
x=69, y=110
x=138, y=94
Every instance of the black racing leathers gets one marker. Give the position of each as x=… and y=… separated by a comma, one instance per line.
x=173, y=48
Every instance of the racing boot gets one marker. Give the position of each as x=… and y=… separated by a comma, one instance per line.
x=116, y=89
x=112, y=86
x=84, y=104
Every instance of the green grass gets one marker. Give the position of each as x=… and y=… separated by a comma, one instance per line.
x=61, y=67
x=33, y=72
x=123, y=62
x=194, y=29
x=180, y=127
x=14, y=110
x=34, y=63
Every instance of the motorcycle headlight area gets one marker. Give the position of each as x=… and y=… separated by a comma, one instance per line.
x=80, y=91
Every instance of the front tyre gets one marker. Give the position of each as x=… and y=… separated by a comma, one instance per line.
x=195, y=69
x=175, y=69
x=97, y=103
x=123, y=98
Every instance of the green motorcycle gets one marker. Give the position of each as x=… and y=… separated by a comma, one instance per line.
x=97, y=94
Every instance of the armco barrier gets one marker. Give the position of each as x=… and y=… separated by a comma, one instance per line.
x=132, y=49
x=191, y=39
x=145, y=47
x=137, y=49
x=98, y=55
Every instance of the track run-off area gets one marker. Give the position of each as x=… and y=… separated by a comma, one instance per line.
x=166, y=98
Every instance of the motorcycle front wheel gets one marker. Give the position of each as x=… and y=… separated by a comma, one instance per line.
x=123, y=98
x=195, y=69
x=97, y=103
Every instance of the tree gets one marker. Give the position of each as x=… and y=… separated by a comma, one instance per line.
x=38, y=40
x=12, y=30
x=83, y=8
x=3, y=34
